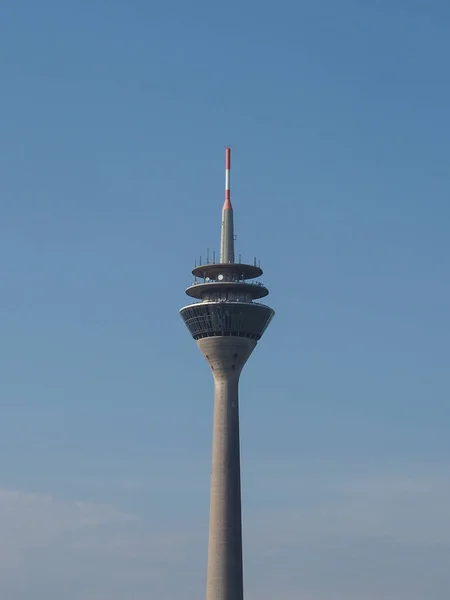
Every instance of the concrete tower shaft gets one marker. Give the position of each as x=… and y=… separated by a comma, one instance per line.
x=226, y=357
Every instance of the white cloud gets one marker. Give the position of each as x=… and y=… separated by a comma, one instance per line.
x=330, y=538
x=405, y=509
x=34, y=520
x=368, y=537
x=52, y=548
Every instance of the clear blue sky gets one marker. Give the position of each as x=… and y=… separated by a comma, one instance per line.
x=114, y=115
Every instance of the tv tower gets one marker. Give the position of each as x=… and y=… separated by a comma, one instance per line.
x=226, y=325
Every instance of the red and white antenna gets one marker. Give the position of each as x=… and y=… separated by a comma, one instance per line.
x=227, y=203
x=227, y=237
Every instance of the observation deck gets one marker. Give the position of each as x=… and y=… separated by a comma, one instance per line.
x=214, y=270
x=224, y=290
x=241, y=319
x=227, y=292
x=227, y=281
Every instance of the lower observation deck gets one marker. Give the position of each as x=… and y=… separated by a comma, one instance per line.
x=242, y=319
x=254, y=289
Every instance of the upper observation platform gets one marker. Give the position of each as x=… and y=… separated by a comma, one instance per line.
x=215, y=270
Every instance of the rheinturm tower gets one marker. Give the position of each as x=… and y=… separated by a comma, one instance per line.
x=227, y=323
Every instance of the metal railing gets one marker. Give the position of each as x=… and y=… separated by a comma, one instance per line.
x=211, y=281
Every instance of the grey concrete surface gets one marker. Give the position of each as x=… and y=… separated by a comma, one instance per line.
x=226, y=357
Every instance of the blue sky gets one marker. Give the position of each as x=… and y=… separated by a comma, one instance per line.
x=114, y=116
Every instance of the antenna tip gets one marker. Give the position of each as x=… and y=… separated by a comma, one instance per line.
x=227, y=203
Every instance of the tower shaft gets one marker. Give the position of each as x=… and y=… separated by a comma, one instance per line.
x=225, y=573
x=226, y=356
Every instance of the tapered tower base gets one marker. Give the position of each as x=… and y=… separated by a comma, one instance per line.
x=226, y=356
